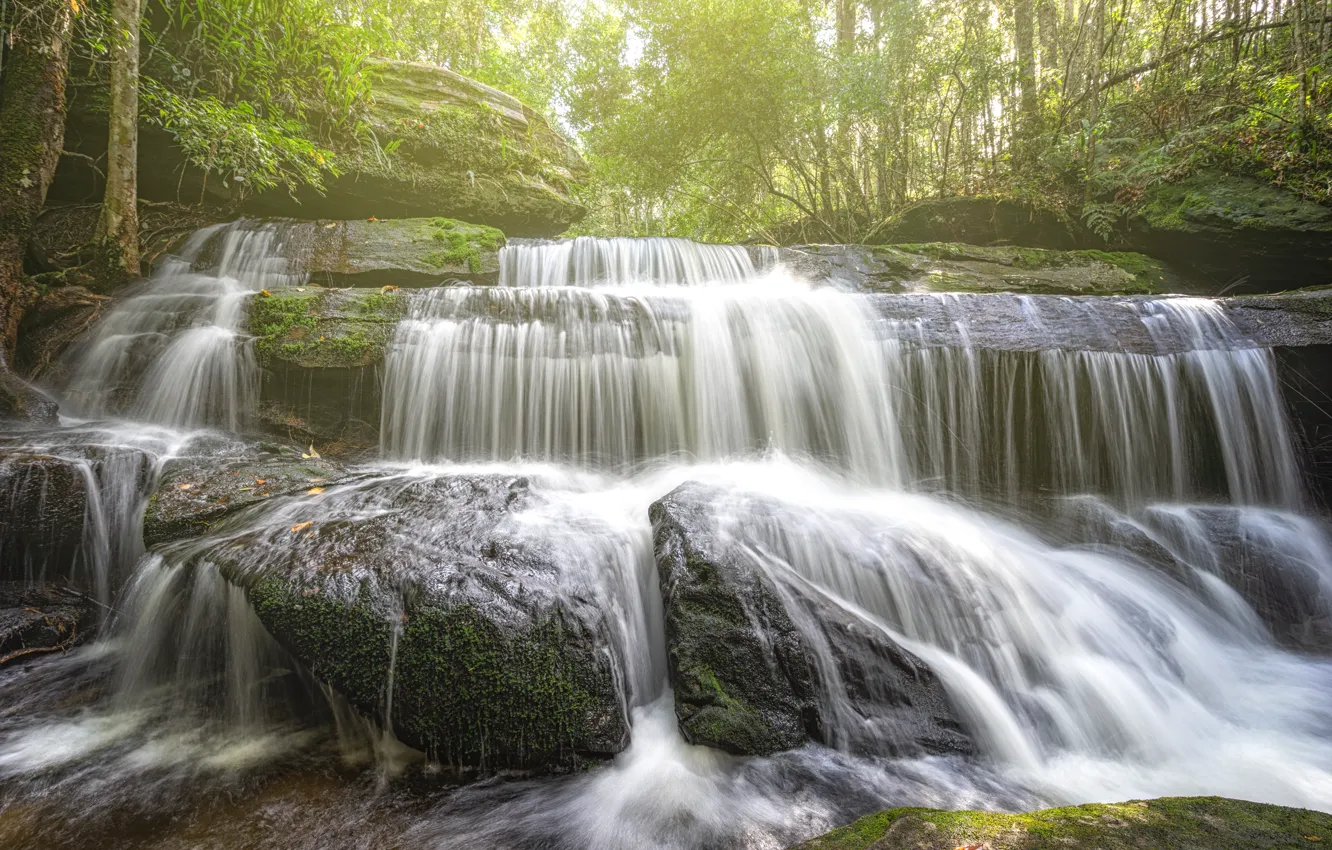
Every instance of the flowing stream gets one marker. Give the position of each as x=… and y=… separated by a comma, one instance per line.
x=1001, y=514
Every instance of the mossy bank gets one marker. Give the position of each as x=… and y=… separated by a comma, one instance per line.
x=1170, y=823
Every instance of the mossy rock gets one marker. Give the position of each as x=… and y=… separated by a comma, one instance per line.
x=986, y=220
x=317, y=328
x=741, y=670
x=446, y=146
x=957, y=267
x=1238, y=232
x=404, y=252
x=1177, y=823
x=404, y=592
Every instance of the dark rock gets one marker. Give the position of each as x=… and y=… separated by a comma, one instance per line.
x=1280, y=564
x=466, y=151
x=744, y=674
x=1237, y=232
x=411, y=585
x=57, y=318
x=39, y=618
x=986, y=221
x=1306, y=384
x=21, y=401
x=195, y=494
x=43, y=502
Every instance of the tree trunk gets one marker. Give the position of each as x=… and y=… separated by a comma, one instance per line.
x=118, y=227
x=32, y=134
x=1047, y=18
x=1024, y=42
x=1094, y=112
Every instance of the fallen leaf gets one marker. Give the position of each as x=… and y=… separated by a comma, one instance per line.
x=261, y=481
x=311, y=454
x=186, y=486
x=330, y=225
x=265, y=293
x=1313, y=838
x=302, y=526
x=385, y=290
x=372, y=218
x=315, y=491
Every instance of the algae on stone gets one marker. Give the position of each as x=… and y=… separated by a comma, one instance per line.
x=957, y=267
x=1178, y=823
x=313, y=327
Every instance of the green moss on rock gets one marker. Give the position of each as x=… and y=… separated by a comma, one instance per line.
x=314, y=327
x=1211, y=201
x=1176, y=823
x=958, y=267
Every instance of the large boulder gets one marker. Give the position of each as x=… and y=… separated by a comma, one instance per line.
x=741, y=653
x=957, y=267
x=1238, y=232
x=1180, y=823
x=409, y=596
x=464, y=150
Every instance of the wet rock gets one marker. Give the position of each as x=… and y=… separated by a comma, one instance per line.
x=1236, y=231
x=196, y=493
x=43, y=501
x=1180, y=823
x=57, y=318
x=35, y=619
x=465, y=150
x=743, y=673
x=1279, y=563
x=23, y=402
x=957, y=267
x=320, y=351
x=407, y=596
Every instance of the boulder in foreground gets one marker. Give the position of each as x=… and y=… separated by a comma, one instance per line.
x=1169, y=823
x=745, y=674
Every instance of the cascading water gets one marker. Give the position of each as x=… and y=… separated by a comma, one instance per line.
x=174, y=353
x=1093, y=550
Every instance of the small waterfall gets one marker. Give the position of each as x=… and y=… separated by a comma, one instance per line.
x=175, y=352
x=588, y=261
x=596, y=377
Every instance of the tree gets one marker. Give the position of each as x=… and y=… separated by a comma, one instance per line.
x=32, y=135
x=118, y=227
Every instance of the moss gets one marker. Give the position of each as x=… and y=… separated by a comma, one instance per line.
x=473, y=695
x=957, y=267
x=1183, y=823
x=345, y=644
x=1213, y=200
x=323, y=328
x=463, y=244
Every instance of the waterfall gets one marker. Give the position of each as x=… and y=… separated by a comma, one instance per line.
x=1103, y=551
x=174, y=353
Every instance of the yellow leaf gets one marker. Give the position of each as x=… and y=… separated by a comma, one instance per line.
x=265, y=293
x=315, y=491
x=302, y=526
x=261, y=481
x=186, y=486
x=74, y=4
x=385, y=290
x=311, y=454
x=372, y=218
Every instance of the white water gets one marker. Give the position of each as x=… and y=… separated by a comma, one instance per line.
x=923, y=490
x=175, y=352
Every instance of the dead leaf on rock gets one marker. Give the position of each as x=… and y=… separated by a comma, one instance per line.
x=302, y=526
x=185, y=486
x=315, y=491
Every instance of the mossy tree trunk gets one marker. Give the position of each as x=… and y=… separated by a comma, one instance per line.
x=118, y=227
x=32, y=134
